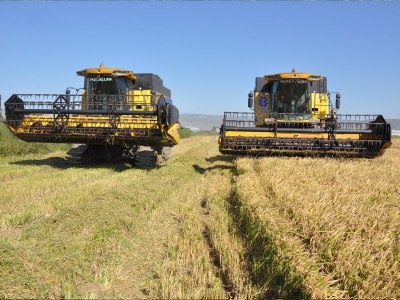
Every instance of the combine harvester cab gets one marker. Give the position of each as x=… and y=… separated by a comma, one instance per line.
x=118, y=113
x=293, y=114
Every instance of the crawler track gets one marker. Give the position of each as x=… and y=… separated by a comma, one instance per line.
x=142, y=156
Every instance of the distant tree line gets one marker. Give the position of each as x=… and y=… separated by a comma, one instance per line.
x=186, y=132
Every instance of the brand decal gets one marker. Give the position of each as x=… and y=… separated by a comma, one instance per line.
x=295, y=81
x=101, y=79
x=263, y=101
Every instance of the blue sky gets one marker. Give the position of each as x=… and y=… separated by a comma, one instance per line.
x=207, y=53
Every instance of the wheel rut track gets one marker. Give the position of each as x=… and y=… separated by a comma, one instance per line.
x=215, y=257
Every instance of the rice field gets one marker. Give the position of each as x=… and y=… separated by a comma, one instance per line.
x=203, y=226
x=334, y=222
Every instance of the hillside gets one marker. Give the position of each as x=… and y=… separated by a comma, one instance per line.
x=201, y=122
x=395, y=125
x=204, y=225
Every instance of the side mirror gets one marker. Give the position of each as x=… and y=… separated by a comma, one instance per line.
x=337, y=101
x=67, y=98
x=250, y=100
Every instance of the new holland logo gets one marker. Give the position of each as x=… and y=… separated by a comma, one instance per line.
x=263, y=101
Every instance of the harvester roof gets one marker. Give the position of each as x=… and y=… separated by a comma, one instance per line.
x=116, y=72
x=292, y=75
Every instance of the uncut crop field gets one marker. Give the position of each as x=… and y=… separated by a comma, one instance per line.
x=331, y=226
x=204, y=225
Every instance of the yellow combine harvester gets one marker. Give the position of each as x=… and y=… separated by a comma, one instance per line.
x=293, y=114
x=118, y=113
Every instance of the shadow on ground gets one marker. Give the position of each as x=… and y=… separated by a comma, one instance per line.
x=201, y=170
x=60, y=163
x=217, y=158
x=221, y=157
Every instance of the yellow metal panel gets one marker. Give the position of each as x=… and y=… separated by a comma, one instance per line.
x=320, y=101
x=142, y=96
x=140, y=99
x=142, y=92
x=291, y=135
x=262, y=112
x=173, y=133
